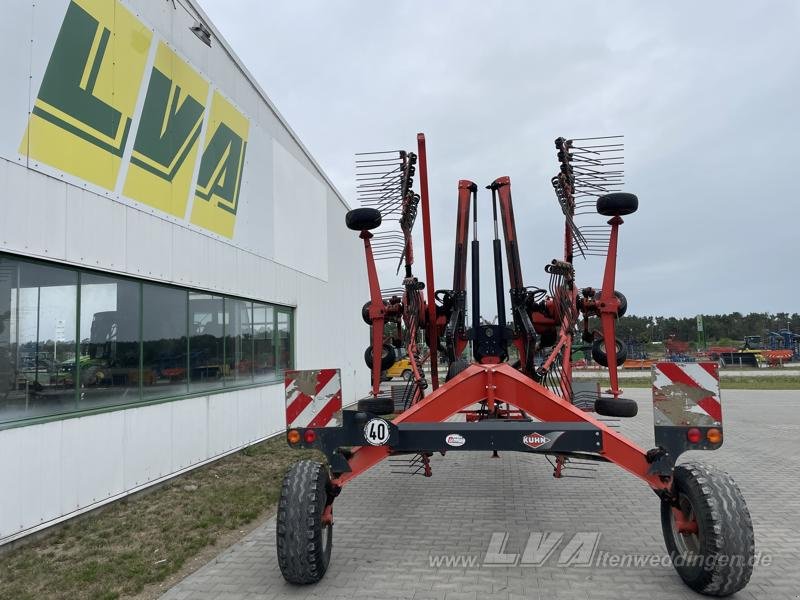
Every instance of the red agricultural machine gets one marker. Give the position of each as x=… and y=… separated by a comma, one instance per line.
x=488, y=402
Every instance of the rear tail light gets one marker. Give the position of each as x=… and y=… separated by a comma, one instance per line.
x=309, y=436
x=693, y=435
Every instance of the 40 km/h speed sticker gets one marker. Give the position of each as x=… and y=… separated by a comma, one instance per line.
x=376, y=432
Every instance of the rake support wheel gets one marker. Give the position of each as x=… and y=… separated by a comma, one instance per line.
x=708, y=531
x=304, y=540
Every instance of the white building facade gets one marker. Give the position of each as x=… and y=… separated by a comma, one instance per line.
x=168, y=248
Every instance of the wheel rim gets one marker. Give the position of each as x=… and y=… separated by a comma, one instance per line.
x=685, y=542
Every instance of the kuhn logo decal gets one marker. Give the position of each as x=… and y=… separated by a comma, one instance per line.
x=455, y=440
x=534, y=440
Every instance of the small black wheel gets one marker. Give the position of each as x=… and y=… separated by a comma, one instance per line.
x=617, y=204
x=360, y=219
x=455, y=368
x=304, y=541
x=407, y=374
x=387, y=356
x=623, y=302
x=599, y=352
x=376, y=406
x=708, y=531
x=616, y=407
x=365, y=312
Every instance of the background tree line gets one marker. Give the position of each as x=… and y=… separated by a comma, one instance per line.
x=723, y=329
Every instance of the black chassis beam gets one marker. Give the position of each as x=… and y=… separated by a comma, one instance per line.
x=491, y=434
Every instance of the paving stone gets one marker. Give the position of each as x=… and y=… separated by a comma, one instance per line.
x=390, y=529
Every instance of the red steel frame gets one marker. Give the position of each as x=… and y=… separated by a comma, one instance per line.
x=502, y=383
x=499, y=382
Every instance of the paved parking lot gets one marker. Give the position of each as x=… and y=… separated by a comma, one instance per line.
x=391, y=529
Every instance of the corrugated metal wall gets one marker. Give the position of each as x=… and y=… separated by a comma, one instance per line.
x=53, y=470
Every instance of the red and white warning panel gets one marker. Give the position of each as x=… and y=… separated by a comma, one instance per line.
x=313, y=398
x=686, y=395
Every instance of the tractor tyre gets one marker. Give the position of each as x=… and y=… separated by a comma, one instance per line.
x=388, y=356
x=714, y=553
x=599, y=352
x=304, y=542
x=455, y=368
x=376, y=406
x=617, y=204
x=363, y=219
x=616, y=407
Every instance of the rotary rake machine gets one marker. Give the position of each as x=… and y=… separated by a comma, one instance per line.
x=488, y=402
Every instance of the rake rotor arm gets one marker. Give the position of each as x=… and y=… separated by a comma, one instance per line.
x=526, y=337
x=608, y=305
x=377, y=312
x=454, y=329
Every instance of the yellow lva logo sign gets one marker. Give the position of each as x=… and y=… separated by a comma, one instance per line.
x=82, y=119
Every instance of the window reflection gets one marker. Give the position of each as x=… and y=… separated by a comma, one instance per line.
x=238, y=342
x=263, y=342
x=109, y=334
x=132, y=341
x=284, y=340
x=37, y=339
x=164, y=345
x=206, y=367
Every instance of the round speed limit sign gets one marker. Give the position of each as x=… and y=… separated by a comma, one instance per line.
x=376, y=432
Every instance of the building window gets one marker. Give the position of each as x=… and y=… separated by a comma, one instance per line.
x=206, y=362
x=164, y=342
x=238, y=342
x=285, y=349
x=108, y=369
x=264, y=367
x=38, y=307
x=72, y=340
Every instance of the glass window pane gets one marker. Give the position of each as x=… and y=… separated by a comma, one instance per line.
x=284, y=340
x=206, y=366
x=164, y=331
x=38, y=305
x=238, y=343
x=109, y=334
x=263, y=342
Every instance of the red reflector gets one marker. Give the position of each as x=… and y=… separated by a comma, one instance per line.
x=309, y=436
x=693, y=435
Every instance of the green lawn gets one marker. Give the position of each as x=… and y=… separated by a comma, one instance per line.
x=144, y=540
x=781, y=382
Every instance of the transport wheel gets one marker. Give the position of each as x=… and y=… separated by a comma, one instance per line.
x=407, y=374
x=617, y=204
x=387, y=356
x=455, y=368
x=708, y=531
x=616, y=407
x=365, y=312
x=376, y=406
x=360, y=219
x=599, y=352
x=304, y=541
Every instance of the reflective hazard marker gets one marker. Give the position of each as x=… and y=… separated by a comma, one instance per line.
x=313, y=398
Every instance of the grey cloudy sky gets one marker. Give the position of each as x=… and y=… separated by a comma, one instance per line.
x=706, y=94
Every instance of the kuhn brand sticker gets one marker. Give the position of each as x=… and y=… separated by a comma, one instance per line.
x=534, y=440
x=455, y=440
